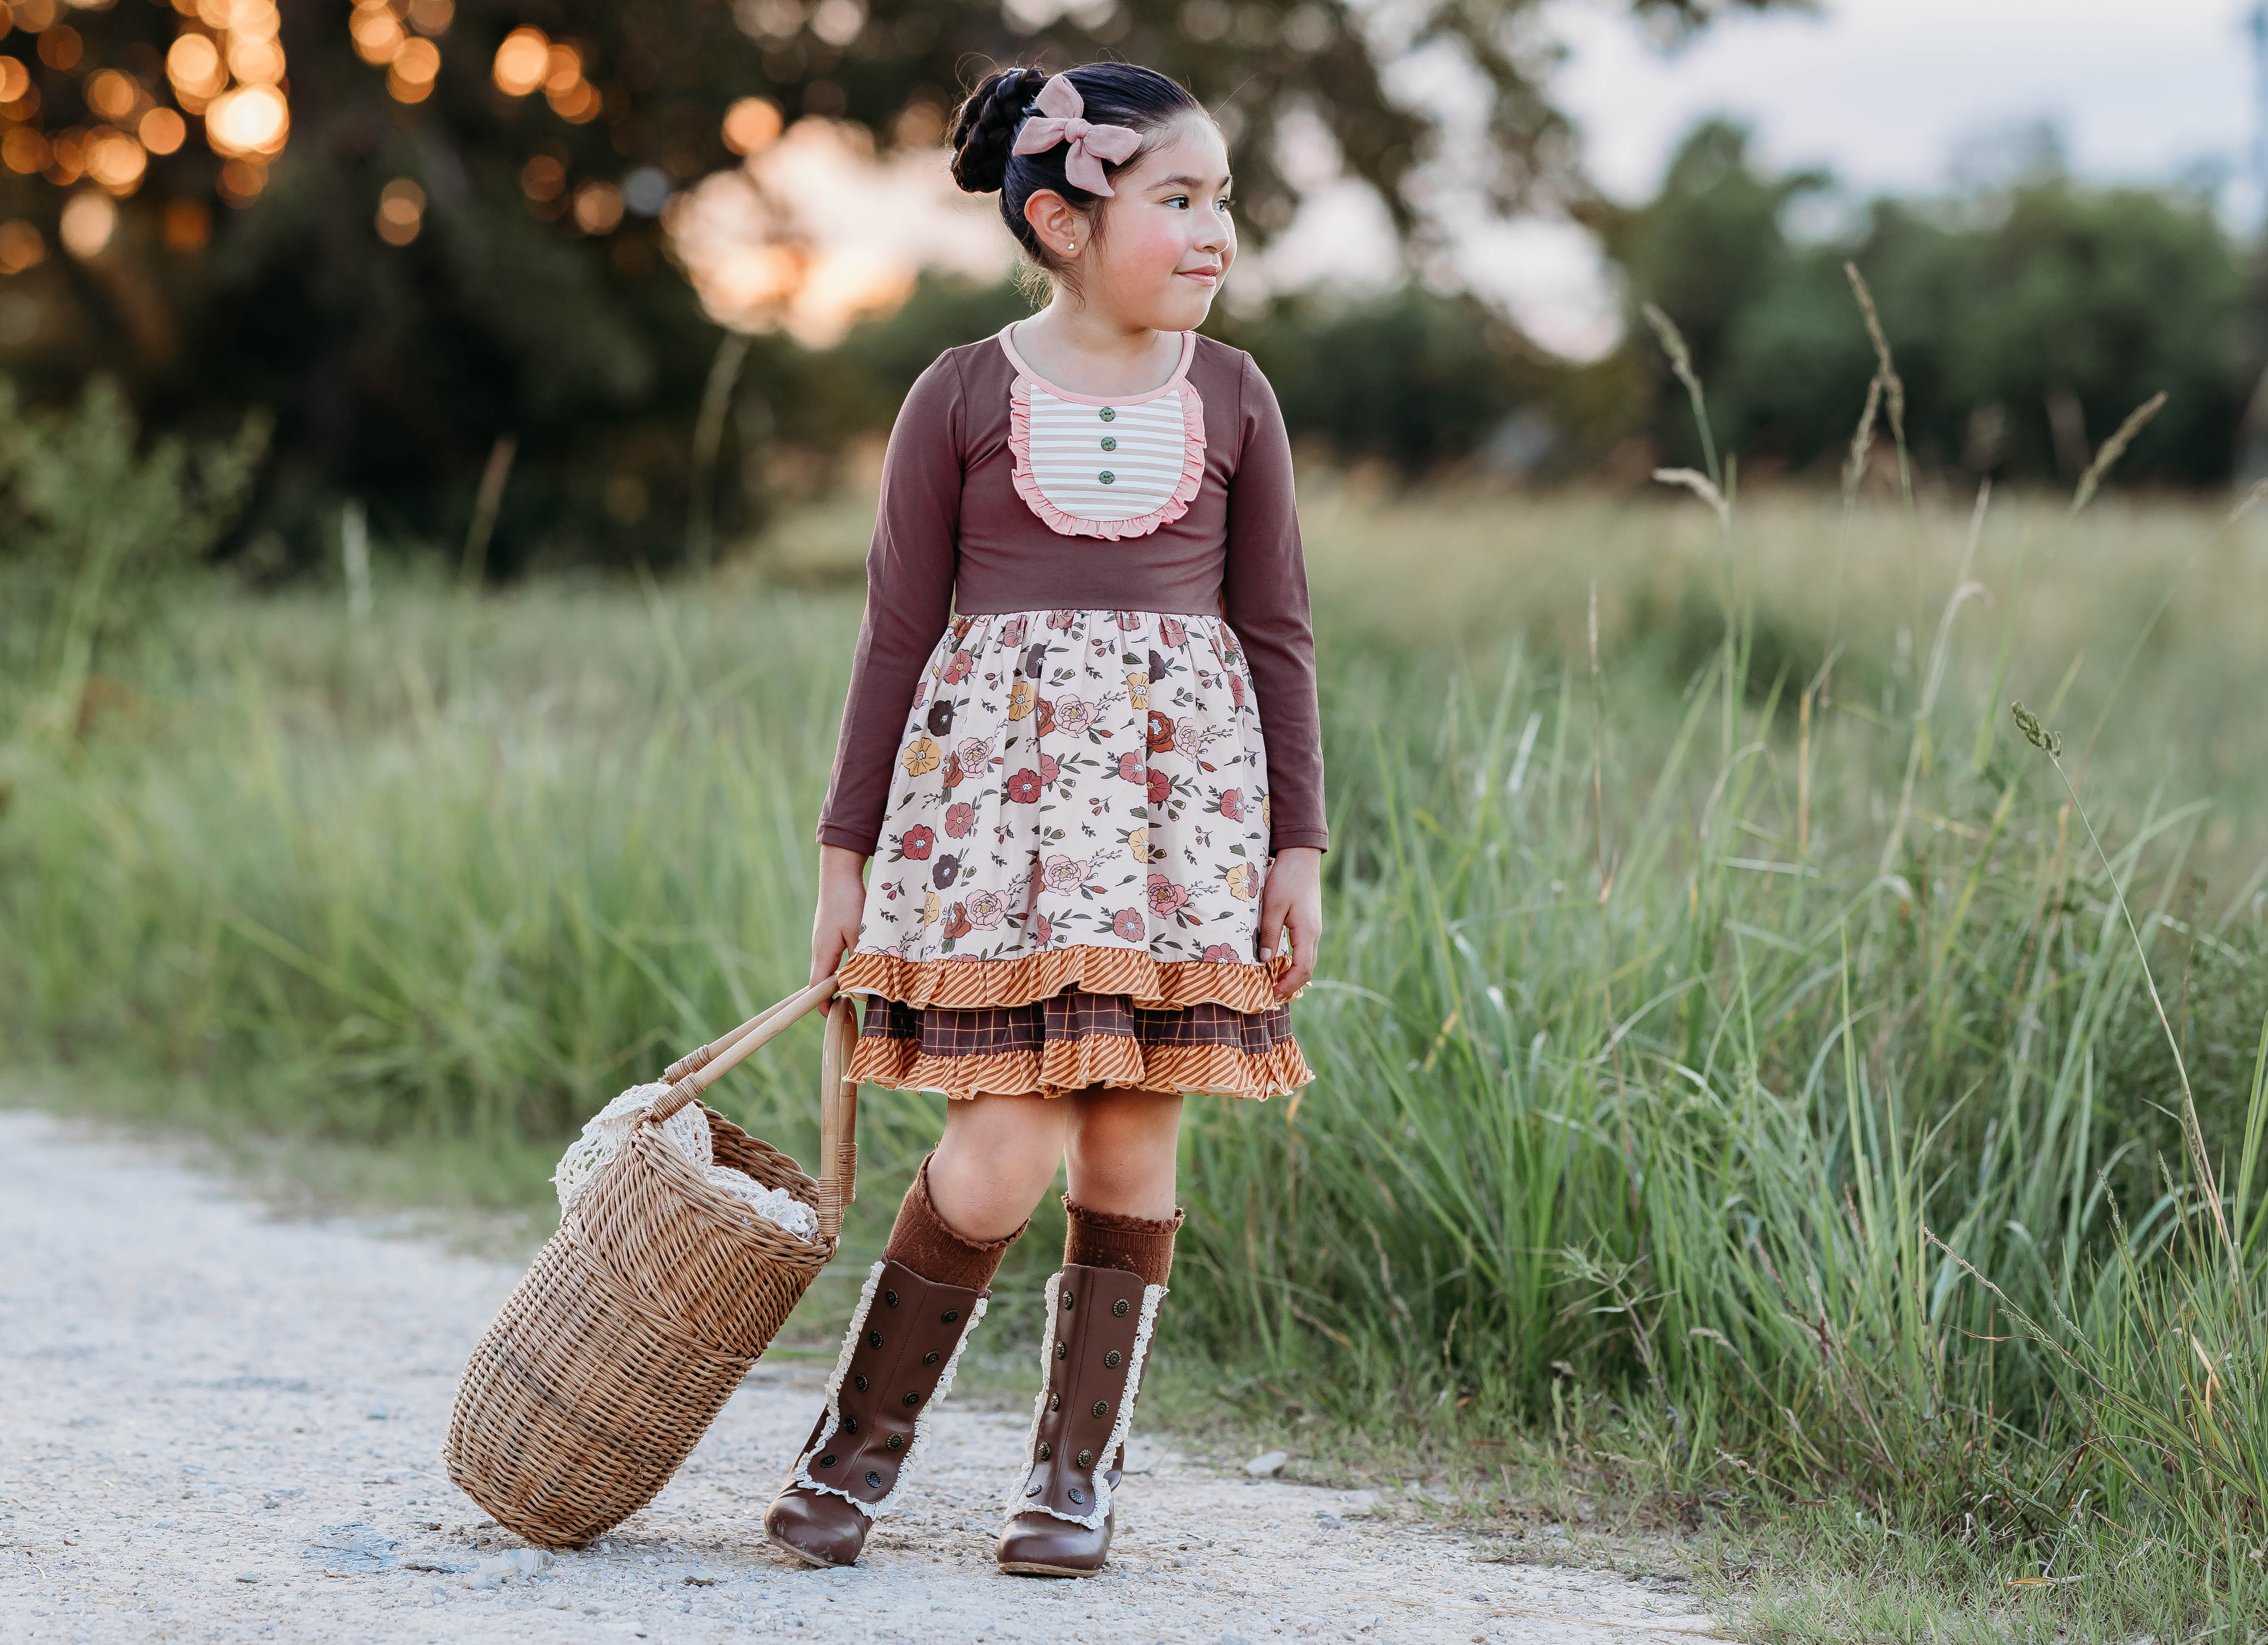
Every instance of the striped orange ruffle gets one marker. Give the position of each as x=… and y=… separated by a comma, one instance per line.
x=1074, y=1065
x=967, y=984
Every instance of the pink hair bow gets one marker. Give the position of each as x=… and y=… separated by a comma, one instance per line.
x=1059, y=119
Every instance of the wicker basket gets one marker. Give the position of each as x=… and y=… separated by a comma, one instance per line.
x=643, y=1313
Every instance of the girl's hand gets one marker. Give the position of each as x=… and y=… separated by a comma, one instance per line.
x=1292, y=900
x=842, y=900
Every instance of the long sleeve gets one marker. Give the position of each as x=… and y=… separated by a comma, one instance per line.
x=1265, y=600
x=909, y=577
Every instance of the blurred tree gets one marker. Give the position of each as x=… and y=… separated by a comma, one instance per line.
x=1412, y=376
x=416, y=228
x=100, y=526
x=2029, y=316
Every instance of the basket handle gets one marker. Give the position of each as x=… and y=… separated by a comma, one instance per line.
x=794, y=1006
x=695, y=1073
x=838, y=1093
x=838, y=1117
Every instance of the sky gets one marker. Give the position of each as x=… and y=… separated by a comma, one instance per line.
x=1887, y=94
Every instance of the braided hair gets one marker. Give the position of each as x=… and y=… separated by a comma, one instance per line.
x=984, y=131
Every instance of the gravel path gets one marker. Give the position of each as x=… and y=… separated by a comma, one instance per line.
x=218, y=1425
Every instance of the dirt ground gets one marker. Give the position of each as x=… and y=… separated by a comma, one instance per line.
x=216, y=1425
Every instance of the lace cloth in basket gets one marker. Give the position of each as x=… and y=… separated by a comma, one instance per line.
x=688, y=1131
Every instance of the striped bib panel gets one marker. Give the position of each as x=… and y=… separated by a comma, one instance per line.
x=1108, y=463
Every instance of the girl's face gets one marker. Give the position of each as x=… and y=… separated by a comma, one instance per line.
x=1168, y=240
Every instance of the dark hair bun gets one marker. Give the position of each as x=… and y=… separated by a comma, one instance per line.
x=986, y=127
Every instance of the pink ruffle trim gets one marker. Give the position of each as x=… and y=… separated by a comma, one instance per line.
x=1185, y=491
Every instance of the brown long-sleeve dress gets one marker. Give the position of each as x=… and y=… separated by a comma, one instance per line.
x=1078, y=613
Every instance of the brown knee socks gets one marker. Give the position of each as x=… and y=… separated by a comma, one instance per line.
x=924, y=1242
x=921, y=1241
x=1100, y=1239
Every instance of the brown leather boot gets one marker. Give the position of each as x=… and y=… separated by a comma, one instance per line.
x=897, y=1362
x=1061, y=1515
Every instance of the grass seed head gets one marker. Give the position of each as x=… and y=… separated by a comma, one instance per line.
x=2038, y=735
x=2246, y=503
x=1681, y=363
x=1673, y=342
x=2114, y=448
x=1862, y=438
x=1893, y=385
x=1700, y=484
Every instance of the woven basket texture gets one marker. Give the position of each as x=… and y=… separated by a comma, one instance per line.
x=625, y=1338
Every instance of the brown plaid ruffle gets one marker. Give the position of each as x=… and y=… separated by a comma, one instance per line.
x=1072, y=1040
x=964, y=984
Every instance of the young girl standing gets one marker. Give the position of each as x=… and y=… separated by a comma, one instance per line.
x=1094, y=891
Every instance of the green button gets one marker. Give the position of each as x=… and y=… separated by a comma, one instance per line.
x=1110, y=442
x=1107, y=477
x=1109, y=416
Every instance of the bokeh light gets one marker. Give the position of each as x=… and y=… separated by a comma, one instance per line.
x=247, y=122
x=251, y=119
x=770, y=20
x=572, y=98
x=432, y=16
x=112, y=94
x=563, y=69
x=814, y=233
x=598, y=208
x=15, y=80
x=117, y=162
x=65, y=160
x=646, y=191
x=410, y=77
x=839, y=22
x=255, y=62
x=401, y=212
x=22, y=246
x=241, y=180
x=376, y=32
x=253, y=19
x=544, y=177
x=24, y=150
x=193, y=63
x=61, y=47
x=758, y=278
x=920, y=124
x=89, y=220
x=522, y=61
x=579, y=104
x=163, y=131
x=751, y=124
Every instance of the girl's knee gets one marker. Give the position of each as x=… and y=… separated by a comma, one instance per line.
x=1112, y=1119
x=1015, y=1141
x=1123, y=1145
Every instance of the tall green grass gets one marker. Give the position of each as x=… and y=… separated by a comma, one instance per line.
x=1743, y=1068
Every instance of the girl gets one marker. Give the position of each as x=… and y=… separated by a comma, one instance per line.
x=1088, y=866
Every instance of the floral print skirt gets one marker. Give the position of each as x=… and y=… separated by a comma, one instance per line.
x=1067, y=888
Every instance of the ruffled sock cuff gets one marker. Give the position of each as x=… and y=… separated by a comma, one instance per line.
x=1103, y=1239
x=921, y=1240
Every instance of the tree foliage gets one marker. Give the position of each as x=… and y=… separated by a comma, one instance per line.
x=100, y=527
x=531, y=295
x=2028, y=316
